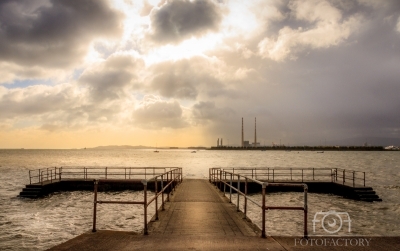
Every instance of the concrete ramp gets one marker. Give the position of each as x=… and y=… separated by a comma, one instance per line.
x=199, y=217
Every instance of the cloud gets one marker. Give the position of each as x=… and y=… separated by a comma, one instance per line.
x=154, y=113
x=61, y=107
x=178, y=20
x=53, y=33
x=206, y=111
x=398, y=25
x=112, y=78
x=11, y=72
x=146, y=9
x=186, y=78
x=326, y=28
x=35, y=100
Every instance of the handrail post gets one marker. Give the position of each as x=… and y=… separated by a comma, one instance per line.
x=264, y=185
x=364, y=179
x=96, y=183
x=344, y=175
x=238, y=193
x=145, y=206
x=302, y=178
x=230, y=191
x=106, y=172
x=220, y=180
x=156, y=193
x=162, y=193
x=353, y=178
x=313, y=178
x=30, y=178
x=224, y=182
x=305, y=211
x=59, y=173
x=245, y=198
x=336, y=174
x=172, y=181
x=291, y=174
x=169, y=188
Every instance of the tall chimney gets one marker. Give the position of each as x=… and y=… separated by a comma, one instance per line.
x=242, y=134
x=255, y=132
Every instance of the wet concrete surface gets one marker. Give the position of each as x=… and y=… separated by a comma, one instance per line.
x=199, y=217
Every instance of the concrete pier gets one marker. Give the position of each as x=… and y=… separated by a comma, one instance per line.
x=199, y=217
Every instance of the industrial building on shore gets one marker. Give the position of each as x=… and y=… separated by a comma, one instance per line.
x=246, y=145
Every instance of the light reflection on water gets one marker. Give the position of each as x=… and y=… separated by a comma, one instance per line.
x=39, y=224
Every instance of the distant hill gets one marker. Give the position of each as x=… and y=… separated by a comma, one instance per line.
x=122, y=147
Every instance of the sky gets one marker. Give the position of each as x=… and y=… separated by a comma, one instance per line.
x=86, y=73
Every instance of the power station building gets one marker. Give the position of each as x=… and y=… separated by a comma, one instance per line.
x=244, y=143
x=247, y=143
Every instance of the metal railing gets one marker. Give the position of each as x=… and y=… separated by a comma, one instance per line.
x=338, y=175
x=168, y=180
x=50, y=175
x=43, y=175
x=226, y=178
x=346, y=177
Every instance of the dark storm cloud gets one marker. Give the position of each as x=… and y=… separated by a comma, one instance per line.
x=185, y=78
x=181, y=19
x=53, y=33
x=110, y=79
x=344, y=89
x=207, y=111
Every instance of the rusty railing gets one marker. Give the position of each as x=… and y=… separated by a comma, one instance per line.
x=226, y=178
x=50, y=175
x=338, y=175
x=168, y=181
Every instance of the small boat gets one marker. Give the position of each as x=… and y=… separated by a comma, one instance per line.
x=193, y=151
x=156, y=151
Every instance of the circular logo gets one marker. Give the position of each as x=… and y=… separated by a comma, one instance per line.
x=332, y=223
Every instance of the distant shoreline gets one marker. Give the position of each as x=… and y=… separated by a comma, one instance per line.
x=303, y=148
x=233, y=148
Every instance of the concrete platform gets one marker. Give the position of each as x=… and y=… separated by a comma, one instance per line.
x=198, y=217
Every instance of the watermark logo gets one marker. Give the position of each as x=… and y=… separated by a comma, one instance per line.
x=333, y=241
x=331, y=221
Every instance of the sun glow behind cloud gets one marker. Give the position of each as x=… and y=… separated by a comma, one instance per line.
x=187, y=49
x=204, y=63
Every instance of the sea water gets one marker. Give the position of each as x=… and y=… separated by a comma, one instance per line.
x=27, y=224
